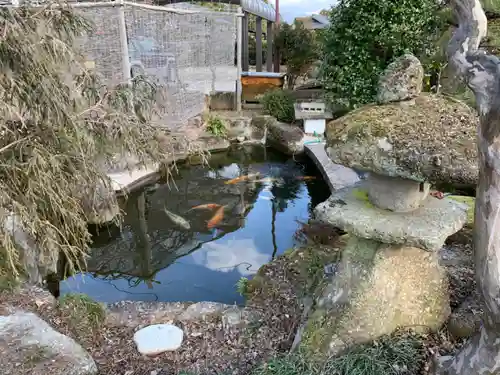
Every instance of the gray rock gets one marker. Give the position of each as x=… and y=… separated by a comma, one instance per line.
x=195, y=122
x=36, y=262
x=402, y=80
x=236, y=317
x=396, y=194
x=30, y=346
x=426, y=227
x=433, y=140
x=287, y=138
x=158, y=338
x=377, y=289
x=201, y=310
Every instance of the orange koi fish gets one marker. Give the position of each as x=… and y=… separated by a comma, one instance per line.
x=208, y=206
x=217, y=218
x=241, y=179
x=306, y=178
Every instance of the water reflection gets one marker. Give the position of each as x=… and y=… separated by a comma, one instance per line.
x=151, y=258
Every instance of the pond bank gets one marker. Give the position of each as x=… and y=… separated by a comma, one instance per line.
x=217, y=337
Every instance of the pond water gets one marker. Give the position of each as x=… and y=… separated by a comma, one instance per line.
x=157, y=256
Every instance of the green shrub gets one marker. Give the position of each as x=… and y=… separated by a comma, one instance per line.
x=216, y=126
x=242, y=286
x=279, y=103
x=298, y=50
x=365, y=36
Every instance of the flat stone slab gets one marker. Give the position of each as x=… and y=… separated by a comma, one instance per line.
x=336, y=176
x=427, y=227
x=158, y=338
x=30, y=346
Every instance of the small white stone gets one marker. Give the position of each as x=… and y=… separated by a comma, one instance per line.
x=158, y=338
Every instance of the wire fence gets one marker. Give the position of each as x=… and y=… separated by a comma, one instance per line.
x=187, y=51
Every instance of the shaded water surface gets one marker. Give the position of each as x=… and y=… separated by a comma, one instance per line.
x=155, y=258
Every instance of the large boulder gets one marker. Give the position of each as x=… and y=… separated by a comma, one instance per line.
x=375, y=290
x=431, y=139
x=286, y=138
x=402, y=80
x=30, y=346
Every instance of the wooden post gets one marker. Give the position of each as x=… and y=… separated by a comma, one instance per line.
x=244, y=43
x=277, y=59
x=258, y=44
x=481, y=72
x=269, y=55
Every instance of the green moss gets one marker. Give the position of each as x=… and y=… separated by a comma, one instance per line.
x=254, y=285
x=303, y=267
x=470, y=202
x=362, y=195
x=492, y=42
x=316, y=335
x=289, y=251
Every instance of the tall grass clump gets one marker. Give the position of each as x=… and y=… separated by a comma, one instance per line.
x=61, y=127
x=401, y=354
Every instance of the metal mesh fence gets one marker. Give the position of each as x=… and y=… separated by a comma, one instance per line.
x=188, y=53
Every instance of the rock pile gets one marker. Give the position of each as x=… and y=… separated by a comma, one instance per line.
x=389, y=276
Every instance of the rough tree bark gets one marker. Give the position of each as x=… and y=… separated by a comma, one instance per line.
x=481, y=355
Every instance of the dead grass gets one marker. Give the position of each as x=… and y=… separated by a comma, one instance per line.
x=84, y=316
x=61, y=129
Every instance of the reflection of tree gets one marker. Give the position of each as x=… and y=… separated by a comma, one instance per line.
x=150, y=242
x=285, y=191
x=142, y=241
x=274, y=207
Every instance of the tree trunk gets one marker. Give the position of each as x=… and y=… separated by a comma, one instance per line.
x=481, y=354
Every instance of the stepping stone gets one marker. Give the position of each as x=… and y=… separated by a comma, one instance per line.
x=158, y=338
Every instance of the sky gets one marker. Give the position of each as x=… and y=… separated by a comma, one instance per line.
x=290, y=9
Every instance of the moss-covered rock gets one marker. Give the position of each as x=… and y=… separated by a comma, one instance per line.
x=432, y=139
x=286, y=138
x=401, y=80
x=376, y=290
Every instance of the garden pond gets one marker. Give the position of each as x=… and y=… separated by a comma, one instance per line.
x=193, y=238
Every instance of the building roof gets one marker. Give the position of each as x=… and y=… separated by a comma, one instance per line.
x=257, y=7
x=314, y=21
